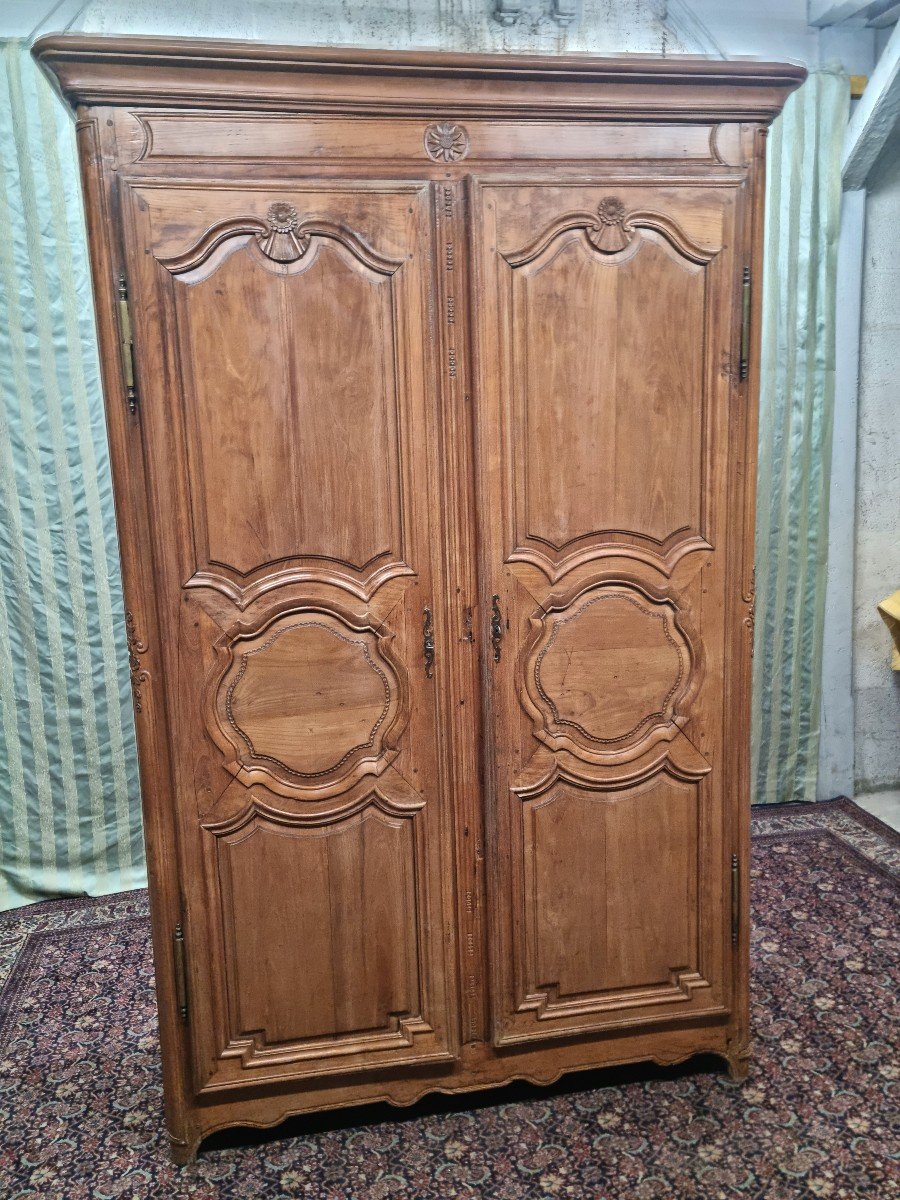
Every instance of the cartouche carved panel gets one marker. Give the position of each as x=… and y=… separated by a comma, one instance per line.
x=309, y=703
x=608, y=674
x=603, y=381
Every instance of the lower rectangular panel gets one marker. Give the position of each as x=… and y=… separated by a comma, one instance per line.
x=318, y=967
x=611, y=915
x=329, y=964
x=610, y=900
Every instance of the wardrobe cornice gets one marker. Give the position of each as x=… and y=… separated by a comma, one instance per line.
x=195, y=73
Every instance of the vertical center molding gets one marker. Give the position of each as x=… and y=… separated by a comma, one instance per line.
x=452, y=332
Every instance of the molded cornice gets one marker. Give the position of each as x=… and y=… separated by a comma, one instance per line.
x=187, y=72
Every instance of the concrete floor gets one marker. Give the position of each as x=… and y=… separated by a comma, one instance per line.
x=884, y=805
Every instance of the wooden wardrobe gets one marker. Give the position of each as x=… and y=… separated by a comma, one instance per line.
x=431, y=387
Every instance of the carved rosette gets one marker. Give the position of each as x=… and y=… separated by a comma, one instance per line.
x=612, y=232
x=282, y=240
x=446, y=142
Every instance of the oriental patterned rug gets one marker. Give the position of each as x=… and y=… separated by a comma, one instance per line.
x=80, y=1089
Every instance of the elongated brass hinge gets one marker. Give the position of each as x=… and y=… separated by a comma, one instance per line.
x=496, y=627
x=180, y=973
x=745, y=325
x=428, y=642
x=126, y=343
x=735, y=898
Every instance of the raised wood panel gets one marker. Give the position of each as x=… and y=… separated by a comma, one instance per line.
x=611, y=900
x=618, y=887
x=603, y=380
x=618, y=365
x=167, y=137
x=609, y=673
x=310, y=702
x=297, y=333
x=299, y=725
x=296, y=366
x=322, y=938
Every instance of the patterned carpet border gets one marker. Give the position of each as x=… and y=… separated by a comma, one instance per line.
x=80, y=1090
x=876, y=842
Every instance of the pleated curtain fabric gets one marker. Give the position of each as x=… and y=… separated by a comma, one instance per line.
x=69, y=795
x=796, y=413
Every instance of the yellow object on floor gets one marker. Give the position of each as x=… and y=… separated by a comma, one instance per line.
x=890, y=612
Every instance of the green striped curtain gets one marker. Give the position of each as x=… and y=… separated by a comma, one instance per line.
x=69, y=797
x=796, y=408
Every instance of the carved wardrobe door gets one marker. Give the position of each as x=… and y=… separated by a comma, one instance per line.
x=285, y=396
x=603, y=424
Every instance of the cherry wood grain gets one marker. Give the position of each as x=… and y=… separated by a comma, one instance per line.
x=436, y=514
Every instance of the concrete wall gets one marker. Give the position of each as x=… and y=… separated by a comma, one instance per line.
x=774, y=29
x=764, y=29
x=877, y=567
x=636, y=26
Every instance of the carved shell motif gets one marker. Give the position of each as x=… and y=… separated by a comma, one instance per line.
x=282, y=241
x=446, y=142
x=611, y=233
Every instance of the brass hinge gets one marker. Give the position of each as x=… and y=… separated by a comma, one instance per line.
x=496, y=627
x=180, y=973
x=126, y=343
x=745, y=325
x=735, y=898
x=428, y=642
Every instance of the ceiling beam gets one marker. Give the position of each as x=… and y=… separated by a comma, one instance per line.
x=834, y=12
x=876, y=115
x=890, y=16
